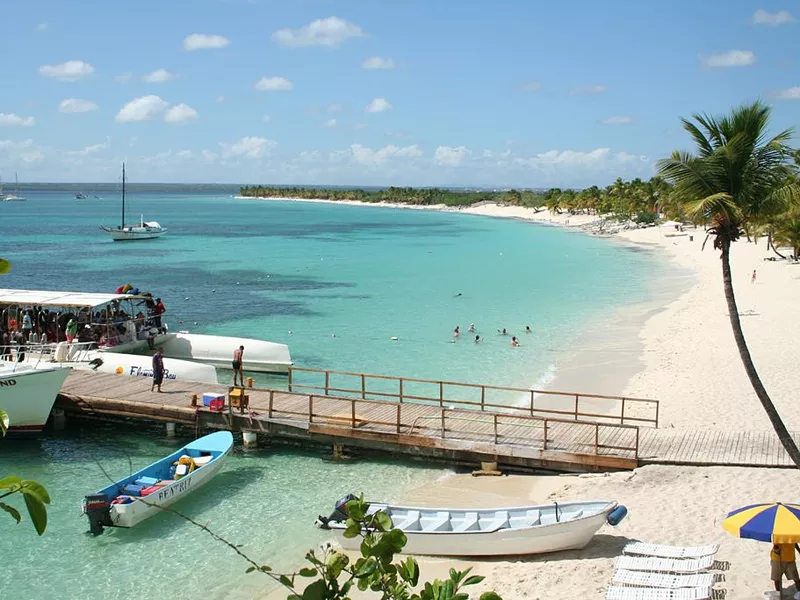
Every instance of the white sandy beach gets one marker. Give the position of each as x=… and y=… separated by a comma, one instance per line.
x=691, y=365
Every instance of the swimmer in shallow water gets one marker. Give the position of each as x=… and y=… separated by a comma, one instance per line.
x=528, y=329
x=502, y=331
x=456, y=332
x=477, y=339
x=472, y=327
x=514, y=342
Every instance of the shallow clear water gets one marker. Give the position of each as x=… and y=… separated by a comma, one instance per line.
x=263, y=269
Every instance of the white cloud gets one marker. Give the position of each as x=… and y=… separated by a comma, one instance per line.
x=93, y=149
x=12, y=120
x=266, y=119
x=180, y=113
x=450, y=157
x=372, y=158
x=76, y=105
x=123, y=77
x=531, y=86
x=330, y=123
x=595, y=159
x=330, y=32
x=762, y=17
x=731, y=58
x=247, y=147
x=333, y=108
x=22, y=152
x=72, y=70
x=588, y=89
x=209, y=156
x=274, y=84
x=200, y=41
x=792, y=93
x=220, y=99
x=42, y=27
x=358, y=126
x=378, y=105
x=158, y=76
x=185, y=154
x=376, y=62
x=144, y=108
x=618, y=120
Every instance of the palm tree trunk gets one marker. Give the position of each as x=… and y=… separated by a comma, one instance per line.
x=744, y=353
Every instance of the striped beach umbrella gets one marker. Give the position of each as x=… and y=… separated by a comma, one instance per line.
x=777, y=523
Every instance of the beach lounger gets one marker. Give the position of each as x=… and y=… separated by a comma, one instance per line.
x=633, y=593
x=643, y=549
x=662, y=580
x=657, y=564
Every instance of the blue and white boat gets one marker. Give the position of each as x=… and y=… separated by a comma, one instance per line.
x=141, y=495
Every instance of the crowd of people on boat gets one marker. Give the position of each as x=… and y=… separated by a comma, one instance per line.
x=20, y=325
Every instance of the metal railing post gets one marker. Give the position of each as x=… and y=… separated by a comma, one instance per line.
x=532, y=402
x=401, y=389
x=363, y=386
x=483, y=397
x=544, y=445
x=443, y=426
x=441, y=393
x=271, y=397
x=622, y=414
x=353, y=414
x=290, y=379
x=327, y=382
x=495, y=429
x=596, y=439
x=398, y=419
x=576, y=407
x=310, y=408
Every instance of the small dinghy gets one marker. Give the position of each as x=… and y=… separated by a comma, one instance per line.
x=488, y=531
x=138, y=497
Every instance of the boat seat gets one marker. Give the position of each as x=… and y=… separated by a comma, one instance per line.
x=409, y=522
x=469, y=522
x=438, y=522
x=571, y=515
x=528, y=520
x=548, y=519
x=498, y=522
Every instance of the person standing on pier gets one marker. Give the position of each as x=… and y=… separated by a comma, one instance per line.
x=158, y=370
x=238, y=356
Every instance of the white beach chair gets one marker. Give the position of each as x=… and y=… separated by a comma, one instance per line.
x=644, y=549
x=657, y=564
x=633, y=593
x=662, y=580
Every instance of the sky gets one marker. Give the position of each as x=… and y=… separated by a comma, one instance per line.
x=519, y=93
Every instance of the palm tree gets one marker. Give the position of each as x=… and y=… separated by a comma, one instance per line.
x=738, y=176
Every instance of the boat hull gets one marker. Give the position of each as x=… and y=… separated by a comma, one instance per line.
x=259, y=356
x=538, y=539
x=127, y=236
x=27, y=395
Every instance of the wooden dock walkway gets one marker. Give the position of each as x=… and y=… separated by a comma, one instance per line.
x=455, y=433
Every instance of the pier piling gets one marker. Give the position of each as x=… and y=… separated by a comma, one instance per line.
x=170, y=429
x=249, y=440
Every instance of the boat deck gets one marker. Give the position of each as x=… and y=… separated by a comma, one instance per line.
x=423, y=429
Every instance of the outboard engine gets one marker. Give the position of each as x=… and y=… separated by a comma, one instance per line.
x=98, y=509
x=339, y=513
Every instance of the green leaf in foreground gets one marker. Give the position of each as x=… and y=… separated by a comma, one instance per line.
x=11, y=510
x=5, y=266
x=490, y=596
x=37, y=511
x=37, y=490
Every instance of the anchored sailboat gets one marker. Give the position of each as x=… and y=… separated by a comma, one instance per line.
x=142, y=231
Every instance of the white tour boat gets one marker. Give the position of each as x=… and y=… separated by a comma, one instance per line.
x=27, y=395
x=488, y=531
x=137, y=497
x=142, y=231
x=125, y=346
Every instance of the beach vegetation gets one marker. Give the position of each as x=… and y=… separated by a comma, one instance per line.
x=34, y=494
x=738, y=179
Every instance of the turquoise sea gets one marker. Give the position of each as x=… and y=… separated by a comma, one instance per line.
x=334, y=282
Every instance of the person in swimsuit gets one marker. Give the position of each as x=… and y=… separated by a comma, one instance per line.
x=158, y=370
x=237, y=365
x=514, y=342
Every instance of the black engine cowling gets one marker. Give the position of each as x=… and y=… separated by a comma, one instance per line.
x=339, y=513
x=98, y=509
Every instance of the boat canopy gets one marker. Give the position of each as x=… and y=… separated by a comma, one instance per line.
x=47, y=298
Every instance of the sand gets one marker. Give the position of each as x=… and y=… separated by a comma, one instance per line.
x=689, y=362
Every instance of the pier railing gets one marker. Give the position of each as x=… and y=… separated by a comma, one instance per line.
x=472, y=396
x=410, y=419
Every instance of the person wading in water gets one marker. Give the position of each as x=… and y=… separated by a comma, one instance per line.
x=237, y=365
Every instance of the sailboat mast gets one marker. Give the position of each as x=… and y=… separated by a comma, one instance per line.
x=122, y=225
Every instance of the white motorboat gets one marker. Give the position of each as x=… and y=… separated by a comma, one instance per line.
x=143, y=231
x=259, y=355
x=488, y=531
x=137, y=497
x=27, y=395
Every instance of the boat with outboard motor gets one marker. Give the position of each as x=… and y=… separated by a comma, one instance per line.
x=486, y=531
x=27, y=395
x=122, y=330
x=131, y=500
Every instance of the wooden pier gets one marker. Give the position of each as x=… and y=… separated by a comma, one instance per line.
x=455, y=423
